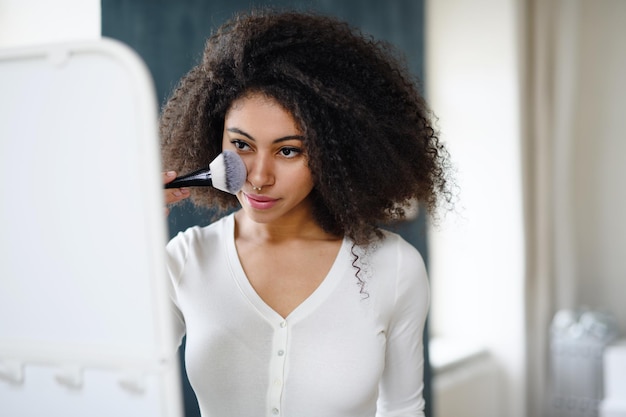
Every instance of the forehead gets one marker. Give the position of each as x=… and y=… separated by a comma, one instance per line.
x=262, y=114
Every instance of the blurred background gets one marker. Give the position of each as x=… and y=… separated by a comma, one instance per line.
x=528, y=271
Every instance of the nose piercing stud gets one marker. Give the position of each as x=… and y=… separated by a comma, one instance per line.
x=255, y=188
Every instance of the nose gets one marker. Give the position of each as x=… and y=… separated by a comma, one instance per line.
x=260, y=169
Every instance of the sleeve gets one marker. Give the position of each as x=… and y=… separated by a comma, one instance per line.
x=401, y=387
x=177, y=251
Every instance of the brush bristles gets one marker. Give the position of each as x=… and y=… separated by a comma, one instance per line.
x=228, y=172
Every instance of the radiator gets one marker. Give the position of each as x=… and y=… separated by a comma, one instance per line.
x=577, y=343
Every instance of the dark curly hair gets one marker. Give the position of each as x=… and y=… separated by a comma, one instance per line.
x=371, y=145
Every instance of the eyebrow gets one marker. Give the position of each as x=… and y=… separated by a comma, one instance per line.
x=282, y=139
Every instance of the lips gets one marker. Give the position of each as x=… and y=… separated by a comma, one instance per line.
x=260, y=202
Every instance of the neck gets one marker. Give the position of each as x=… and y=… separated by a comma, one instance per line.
x=298, y=228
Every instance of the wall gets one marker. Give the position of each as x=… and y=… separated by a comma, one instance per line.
x=27, y=22
x=477, y=257
x=599, y=168
x=477, y=253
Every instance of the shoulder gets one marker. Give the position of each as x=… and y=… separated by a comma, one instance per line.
x=394, y=250
x=198, y=239
x=399, y=267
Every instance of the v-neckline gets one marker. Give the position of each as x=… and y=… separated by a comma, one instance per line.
x=309, y=304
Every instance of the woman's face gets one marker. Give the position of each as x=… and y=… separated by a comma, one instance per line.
x=270, y=144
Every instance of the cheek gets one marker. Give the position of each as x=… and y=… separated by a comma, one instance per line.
x=240, y=198
x=302, y=171
x=305, y=181
x=309, y=174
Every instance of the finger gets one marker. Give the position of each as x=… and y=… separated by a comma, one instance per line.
x=174, y=195
x=169, y=176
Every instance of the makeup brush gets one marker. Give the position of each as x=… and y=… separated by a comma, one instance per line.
x=227, y=173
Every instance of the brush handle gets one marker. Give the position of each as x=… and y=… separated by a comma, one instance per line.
x=199, y=178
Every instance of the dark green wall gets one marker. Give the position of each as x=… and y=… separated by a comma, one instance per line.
x=169, y=35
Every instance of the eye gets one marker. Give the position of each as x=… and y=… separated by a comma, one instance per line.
x=240, y=145
x=290, y=152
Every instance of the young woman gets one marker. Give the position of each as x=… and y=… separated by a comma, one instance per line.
x=297, y=304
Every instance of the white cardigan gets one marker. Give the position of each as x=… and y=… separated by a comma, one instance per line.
x=341, y=353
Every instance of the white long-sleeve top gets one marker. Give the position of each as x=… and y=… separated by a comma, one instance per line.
x=341, y=353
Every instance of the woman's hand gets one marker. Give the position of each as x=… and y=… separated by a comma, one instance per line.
x=173, y=195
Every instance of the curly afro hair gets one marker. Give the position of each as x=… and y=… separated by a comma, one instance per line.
x=371, y=146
